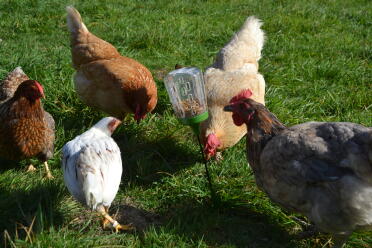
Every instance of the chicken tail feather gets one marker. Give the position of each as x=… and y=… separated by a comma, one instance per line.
x=9, y=85
x=244, y=47
x=91, y=188
x=74, y=20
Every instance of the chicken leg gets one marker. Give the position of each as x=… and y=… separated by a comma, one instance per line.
x=108, y=219
x=47, y=171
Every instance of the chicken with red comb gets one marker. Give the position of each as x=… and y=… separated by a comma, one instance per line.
x=322, y=170
x=234, y=72
x=106, y=80
x=26, y=129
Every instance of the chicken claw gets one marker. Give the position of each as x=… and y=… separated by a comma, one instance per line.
x=119, y=227
x=108, y=219
x=105, y=223
x=31, y=168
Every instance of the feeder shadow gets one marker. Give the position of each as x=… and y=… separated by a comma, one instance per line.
x=239, y=226
x=146, y=161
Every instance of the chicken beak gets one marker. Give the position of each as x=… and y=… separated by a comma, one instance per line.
x=117, y=123
x=140, y=118
x=228, y=108
x=113, y=124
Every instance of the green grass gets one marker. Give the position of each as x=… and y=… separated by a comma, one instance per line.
x=317, y=66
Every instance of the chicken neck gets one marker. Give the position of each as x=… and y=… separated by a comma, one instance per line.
x=261, y=128
x=26, y=108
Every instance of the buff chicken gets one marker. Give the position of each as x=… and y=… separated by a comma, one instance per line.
x=322, y=170
x=234, y=71
x=92, y=169
x=26, y=129
x=104, y=79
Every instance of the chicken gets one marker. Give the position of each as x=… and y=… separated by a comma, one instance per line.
x=26, y=130
x=92, y=169
x=322, y=170
x=11, y=83
x=104, y=79
x=234, y=71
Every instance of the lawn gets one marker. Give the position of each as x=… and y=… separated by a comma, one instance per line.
x=317, y=66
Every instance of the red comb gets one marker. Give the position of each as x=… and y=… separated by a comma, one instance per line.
x=244, y=94
x=38, y=85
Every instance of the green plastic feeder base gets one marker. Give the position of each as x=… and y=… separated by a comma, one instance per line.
x=193, y=122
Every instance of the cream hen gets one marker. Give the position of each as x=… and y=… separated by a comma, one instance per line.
x=104, y=79
x=234, y=71
x=92, y=169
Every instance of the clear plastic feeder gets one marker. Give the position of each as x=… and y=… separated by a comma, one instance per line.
x=186, y=91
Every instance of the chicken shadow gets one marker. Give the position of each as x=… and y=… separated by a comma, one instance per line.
x=228, y=224
x=18, y=166
x=33, y=210
x=140, y=219
x=224, y=225
x=8, y=165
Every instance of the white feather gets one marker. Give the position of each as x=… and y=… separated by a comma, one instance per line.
x=92, y=166
x=244, y=47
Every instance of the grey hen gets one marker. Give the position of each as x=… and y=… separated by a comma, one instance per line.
x=322, y=170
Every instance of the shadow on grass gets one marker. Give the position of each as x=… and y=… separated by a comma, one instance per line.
x=140, y=219
x=8, y=165
x=35, y=206
x=227, y=224
x=146, y=161
x=163, y=103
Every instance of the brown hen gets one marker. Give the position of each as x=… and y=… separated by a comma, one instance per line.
x=104, y=79
x=26, y=130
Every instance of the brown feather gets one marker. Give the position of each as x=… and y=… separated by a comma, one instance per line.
x=106, y=80
x=26, y=129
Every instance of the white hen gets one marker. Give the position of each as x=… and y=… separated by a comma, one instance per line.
x=92, y=168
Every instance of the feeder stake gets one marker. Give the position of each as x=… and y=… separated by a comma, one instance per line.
x=186, y=91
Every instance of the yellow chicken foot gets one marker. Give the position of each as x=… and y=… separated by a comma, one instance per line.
x=47, y=171
x=105, y=223
x=114, y=223
x=31, y=168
